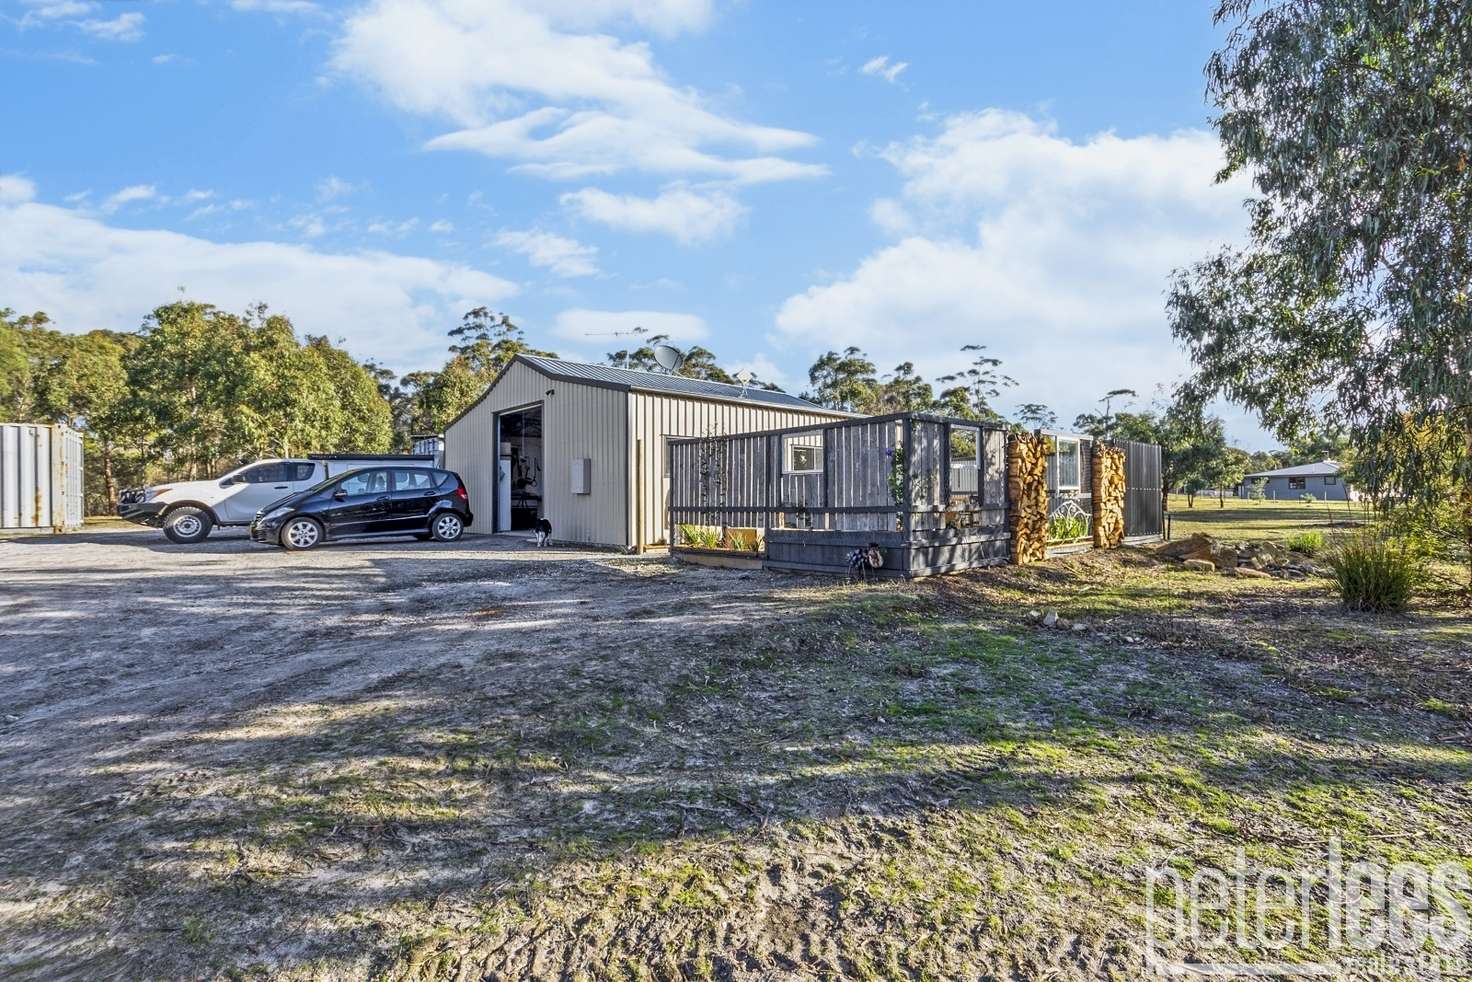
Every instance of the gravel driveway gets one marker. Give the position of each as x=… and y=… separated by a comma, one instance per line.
x=131, y=665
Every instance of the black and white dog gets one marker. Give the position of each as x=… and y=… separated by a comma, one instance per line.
x=544, y=532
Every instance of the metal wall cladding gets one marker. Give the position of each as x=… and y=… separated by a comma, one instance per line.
x=623, y=434
x=40, y=477
x=577, y=421
x=655, y=416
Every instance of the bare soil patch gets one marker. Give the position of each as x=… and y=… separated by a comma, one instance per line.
x=422, y=761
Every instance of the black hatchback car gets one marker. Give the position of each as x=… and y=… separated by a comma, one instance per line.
x=373, y=501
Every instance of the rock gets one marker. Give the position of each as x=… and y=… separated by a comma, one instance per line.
x=1080, y=626
x=1252, y=573
x=1033, y=615
x=1200, y=565
x=1050, y=618
x=1198, y=546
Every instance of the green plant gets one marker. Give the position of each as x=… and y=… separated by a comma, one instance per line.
x=1308, y=497
x=1308, y=543
x=1064, y=527
x=1376, y=573
x=700, y=536
x=744, y=540
x=1257, y=489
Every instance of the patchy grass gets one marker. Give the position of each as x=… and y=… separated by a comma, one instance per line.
x=798, y=778
x=1237, y=519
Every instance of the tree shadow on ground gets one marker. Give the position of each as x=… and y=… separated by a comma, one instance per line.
x=510, y=741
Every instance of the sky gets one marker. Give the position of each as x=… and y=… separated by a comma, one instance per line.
x=768, y=180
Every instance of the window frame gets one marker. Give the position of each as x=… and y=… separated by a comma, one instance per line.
x=812, y=440
x=1297, y=484
x=393, y=477
x=1078, y=470
x=387, y=482
x=1330, y=480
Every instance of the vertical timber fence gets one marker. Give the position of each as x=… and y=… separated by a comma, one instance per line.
x=931, y=491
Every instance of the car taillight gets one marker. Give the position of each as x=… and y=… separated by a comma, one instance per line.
x=460, y=493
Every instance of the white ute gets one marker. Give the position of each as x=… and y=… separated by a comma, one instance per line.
x=188, y=510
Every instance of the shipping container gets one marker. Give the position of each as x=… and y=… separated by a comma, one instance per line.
x=40, y=477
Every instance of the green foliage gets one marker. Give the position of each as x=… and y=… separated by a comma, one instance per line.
x=1375, y=572
x=1308, y=497
x=700, y=536
x=896, y=474
x=1257, y=490
x=844, y=380
x=979, y=382
x=1065, y=528
x=1352, y=120
x=1036, y=416
x=1309, y=543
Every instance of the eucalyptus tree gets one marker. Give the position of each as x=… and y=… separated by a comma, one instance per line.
x=978, y=384
x=1351, y=302
x=844, y=380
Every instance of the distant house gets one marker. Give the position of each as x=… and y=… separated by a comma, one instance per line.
x=1322, y=480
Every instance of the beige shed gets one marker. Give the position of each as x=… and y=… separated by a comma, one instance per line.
x=583, y=446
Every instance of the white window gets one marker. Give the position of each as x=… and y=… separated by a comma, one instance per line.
x=1067, y=458
x=802, y=454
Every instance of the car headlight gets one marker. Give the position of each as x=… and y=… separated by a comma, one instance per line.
x=277, y=513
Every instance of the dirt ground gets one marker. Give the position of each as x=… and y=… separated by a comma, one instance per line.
x=414, y=760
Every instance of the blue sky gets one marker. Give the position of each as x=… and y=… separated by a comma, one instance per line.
x=768, y=180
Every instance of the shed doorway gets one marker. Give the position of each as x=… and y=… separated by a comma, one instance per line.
x=520, y=471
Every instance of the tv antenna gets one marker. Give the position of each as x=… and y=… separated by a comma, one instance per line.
x=669, y=358
x=744, y=377
x=616, y=334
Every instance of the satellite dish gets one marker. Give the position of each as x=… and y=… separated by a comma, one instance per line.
x=744, y=377
x=670, y=358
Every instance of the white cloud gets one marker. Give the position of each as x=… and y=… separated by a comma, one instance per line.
x=563, y=256
x=86, y=273
x=882, y=67
x=276, y=6
x=128, y=195
x=598, y=105
x=332, y=187
x=42, y=10
x=309, y=224
x=395, y=230
x=685, y=215
x=15, y=189
x=442, y=227
x=195, y=194
x=1052, y=252
x=165, y=58
x=578, y=324
x=123, y=27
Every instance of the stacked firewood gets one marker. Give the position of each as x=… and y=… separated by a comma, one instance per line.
x=1027, y=496
x=1109, y=488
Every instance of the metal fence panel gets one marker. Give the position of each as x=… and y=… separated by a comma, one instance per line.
x=1144, y=507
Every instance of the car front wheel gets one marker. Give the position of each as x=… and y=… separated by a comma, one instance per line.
x=447, y=527
x=188, y=525
x=301, y=533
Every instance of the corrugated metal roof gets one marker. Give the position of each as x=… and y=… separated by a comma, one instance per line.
x=1322, y=468
x=628, y=378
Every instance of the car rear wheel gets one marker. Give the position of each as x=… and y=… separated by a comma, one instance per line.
x=188, y=525
x=301, y=533
x=447, y=527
